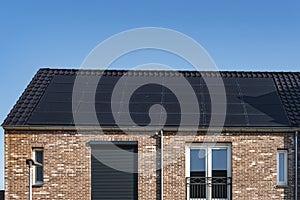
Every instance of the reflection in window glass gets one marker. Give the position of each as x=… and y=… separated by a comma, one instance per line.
x=219, y=173
x=282, y=167
x=38, y=156
x=198, y=173
x=197, y=160
x=219, y=159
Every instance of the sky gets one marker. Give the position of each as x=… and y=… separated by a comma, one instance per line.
x=256, y=35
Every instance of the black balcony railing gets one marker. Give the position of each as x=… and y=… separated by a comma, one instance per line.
x=210, y=188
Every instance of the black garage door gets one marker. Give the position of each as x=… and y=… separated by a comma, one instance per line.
x=109, y=183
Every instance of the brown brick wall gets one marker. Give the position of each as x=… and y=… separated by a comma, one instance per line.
x=254, y=165
x=67, y=164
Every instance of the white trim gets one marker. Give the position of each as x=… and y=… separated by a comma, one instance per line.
x=187, y=160
x=208, y=147
x=285, y=153
x=187, y=168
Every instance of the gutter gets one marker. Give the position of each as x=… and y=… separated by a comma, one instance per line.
x=154, y=128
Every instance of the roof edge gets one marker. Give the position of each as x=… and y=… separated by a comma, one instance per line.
x=154, y=128
x=156, y=70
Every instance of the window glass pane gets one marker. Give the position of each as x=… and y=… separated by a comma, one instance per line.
x=39, y=157
x=198, y=160
x=219, y=160
x=281, y=167
x=39, y=174
x=198, y=173
x=219, y=173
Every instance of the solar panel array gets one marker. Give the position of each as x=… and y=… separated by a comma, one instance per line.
x=250, y=102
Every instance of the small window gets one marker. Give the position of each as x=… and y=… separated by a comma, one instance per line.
x=282, y=167
x=38, y=171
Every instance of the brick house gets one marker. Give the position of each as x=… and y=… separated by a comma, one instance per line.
x=253, y=157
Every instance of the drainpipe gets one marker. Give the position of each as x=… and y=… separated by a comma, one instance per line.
x=161, y=164
x=296, y=164
x=30, y=179
x=30, y=164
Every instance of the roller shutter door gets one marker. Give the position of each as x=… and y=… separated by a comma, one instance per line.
x=111, y=184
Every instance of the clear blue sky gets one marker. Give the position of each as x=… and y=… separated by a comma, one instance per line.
x=239, y=35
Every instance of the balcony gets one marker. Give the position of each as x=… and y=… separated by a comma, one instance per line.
x=208, y=188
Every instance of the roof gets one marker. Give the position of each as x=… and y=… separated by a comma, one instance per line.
x=269, y=98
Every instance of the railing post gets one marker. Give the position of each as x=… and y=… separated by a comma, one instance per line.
x=209, y=188
x=188, y=188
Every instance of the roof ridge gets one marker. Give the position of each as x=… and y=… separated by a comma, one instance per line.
x=64, y=71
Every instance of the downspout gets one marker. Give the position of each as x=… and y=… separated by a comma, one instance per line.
x=161, y=164
x=296, y=165
x=30, y=180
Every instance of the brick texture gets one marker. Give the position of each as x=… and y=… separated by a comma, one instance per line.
x=67, y=164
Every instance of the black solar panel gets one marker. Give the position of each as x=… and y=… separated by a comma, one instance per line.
x=51, y=118
x=249, y=102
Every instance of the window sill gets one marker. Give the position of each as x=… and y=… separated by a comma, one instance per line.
x=281, y=186
x=38, y=185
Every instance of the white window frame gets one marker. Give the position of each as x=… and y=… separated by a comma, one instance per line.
x=208, y=147
x=34, y=150
x=285, y=182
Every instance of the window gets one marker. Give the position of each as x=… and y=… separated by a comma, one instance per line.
x=208, y=171
x=38, y=171
x=282, y=167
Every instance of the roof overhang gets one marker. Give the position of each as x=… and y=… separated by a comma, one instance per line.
x=154, y=128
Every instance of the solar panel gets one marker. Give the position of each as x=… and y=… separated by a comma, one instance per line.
x=230, y=120
x=61, y=87
x=99, y=97
x=99, y=107
x=266, y=120
x=86, y=118
x=249, y=102
x=231, y=108
x=51, y=118
x=57, y=96
x=194, y=80
x=271, y=109
x=54, y=107
x=146, y=97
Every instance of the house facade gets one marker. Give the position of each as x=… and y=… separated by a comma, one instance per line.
x=252, y=156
